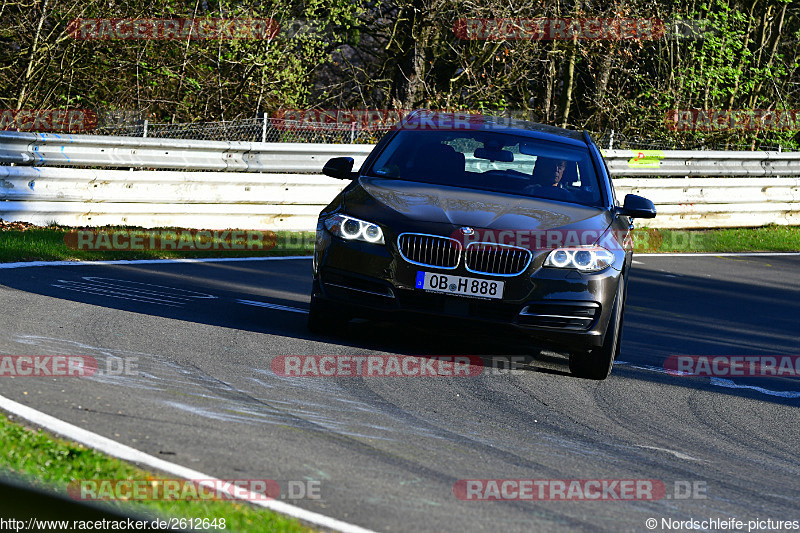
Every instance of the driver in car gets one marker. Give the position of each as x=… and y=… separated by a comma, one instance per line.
x=547, y=172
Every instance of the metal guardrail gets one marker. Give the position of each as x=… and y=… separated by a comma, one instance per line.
x=697, y=203
x=45, y=150
x=48, y=150
x=667, y=163
x=146, y=198
x=75, y=180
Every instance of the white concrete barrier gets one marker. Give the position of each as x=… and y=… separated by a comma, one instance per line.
x=76, y=180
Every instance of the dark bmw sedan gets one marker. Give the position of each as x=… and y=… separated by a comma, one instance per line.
x=503, y=222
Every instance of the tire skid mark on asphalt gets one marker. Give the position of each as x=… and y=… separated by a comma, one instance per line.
x=242, y=415
x=336, y=426
x=273, y=306
x=730, y=429
x=229, y=416
x=302, y=382
x=157, y=374
x=353, y=442
x=330, y=392
x=722, y=425
x=719, y=382
x=57, y=344
x=575, y=442
x=132, y=290
x=217, y=400
x=465, y=438
x=608, y=407
x=107, y=358
x=377, y=405
x=679, y=455
x=418, y=426
x=333, y=407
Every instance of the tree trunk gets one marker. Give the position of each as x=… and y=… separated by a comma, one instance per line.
x=31, y=60
x=773, y=49
x=408, y=82
x=746, y=44
x=548, y=90
x=568, y=85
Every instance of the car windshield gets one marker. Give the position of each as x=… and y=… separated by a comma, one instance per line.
x=492, y=161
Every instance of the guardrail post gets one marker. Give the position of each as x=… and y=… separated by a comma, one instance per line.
x=144, y=133
x=264, y=129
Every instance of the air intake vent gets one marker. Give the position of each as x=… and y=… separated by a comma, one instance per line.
x=561, y=315
x=496, y=259
x=429, y=250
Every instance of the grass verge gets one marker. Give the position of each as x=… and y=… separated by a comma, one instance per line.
x=51, y=464
x=765, y=239
x=32, y=243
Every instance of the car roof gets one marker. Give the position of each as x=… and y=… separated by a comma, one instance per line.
x=501, y=124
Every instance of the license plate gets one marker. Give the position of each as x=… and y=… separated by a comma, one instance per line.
x=481, y=288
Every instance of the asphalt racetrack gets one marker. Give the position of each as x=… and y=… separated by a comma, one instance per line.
x=386, y=452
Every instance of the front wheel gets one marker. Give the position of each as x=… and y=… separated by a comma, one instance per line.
x=597, y=363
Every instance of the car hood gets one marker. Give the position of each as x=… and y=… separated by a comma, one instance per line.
x=423, y=202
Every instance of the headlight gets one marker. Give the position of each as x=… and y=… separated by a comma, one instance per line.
x=588, y=259
x=350, y=228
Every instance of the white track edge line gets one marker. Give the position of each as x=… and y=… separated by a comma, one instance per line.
x=126, y=453
x=150, y=261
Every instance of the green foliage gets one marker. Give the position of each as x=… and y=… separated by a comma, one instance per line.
x=181, y=80
x=728, y=54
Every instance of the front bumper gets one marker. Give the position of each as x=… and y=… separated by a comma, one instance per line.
x=557, y=306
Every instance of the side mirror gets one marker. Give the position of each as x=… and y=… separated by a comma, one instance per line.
x=339, y=168
x=637, y=207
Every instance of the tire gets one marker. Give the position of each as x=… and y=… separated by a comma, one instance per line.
x=324, y=319
x=597, y=363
